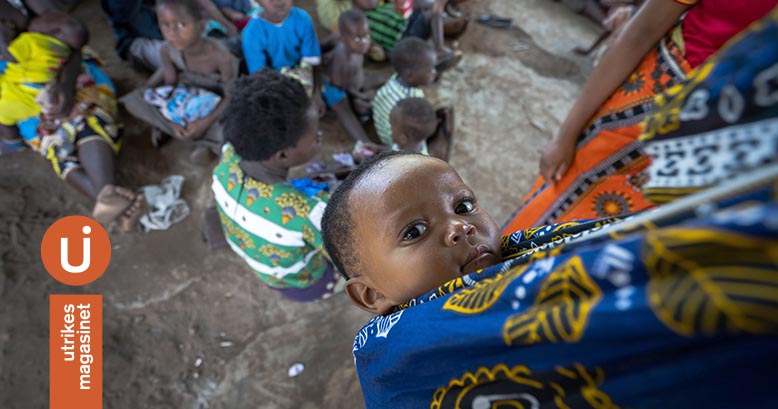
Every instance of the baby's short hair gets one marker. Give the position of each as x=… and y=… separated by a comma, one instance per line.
x=418, y=116
x=351, y=16
x=265, y=114
x=406, y=54
x=190, y=6
x=337, y=223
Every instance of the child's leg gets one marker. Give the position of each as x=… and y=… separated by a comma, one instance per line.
x=97, y=161
x=348, y=120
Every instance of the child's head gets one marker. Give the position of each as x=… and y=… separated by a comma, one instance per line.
x=354, y=31
x=365, y=5
x=270, y=117
x=276, y=11
x=414, y=61
x=180, y=22
x=413, y=121
x=403, y=224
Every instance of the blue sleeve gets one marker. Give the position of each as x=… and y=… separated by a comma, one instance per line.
x=311, y=52
x=253, y=44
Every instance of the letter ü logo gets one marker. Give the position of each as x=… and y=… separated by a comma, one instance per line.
x=65, y=254
x=75, y=250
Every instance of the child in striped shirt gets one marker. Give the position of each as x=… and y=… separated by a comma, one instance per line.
x=414, y=62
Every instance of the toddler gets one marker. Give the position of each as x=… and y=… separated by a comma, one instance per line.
x=270, y=126
x=282, y=37
x=414, y=64
x=197, y=72
x=345, y=91
x=413, y=122
x=403, y=224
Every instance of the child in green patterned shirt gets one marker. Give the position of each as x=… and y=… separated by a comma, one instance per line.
x=270, y=125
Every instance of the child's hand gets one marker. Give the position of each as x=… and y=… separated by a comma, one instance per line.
x=179, y=131
x=556, y=160
x=61, y=99
x=197, y=129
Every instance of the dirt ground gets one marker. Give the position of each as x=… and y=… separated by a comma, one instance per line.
x=171, y=304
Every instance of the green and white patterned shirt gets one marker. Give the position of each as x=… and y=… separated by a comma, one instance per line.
x=275, y=228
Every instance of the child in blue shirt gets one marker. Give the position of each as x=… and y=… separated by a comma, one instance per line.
x=282, y=37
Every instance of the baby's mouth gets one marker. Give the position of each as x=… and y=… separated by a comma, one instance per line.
x=479, y=257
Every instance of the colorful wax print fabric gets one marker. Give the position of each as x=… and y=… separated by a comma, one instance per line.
x=674, y=311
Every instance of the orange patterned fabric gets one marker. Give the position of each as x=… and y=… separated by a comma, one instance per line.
x=606, y=174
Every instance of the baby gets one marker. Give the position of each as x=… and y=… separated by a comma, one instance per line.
x=403, y=224
x=413, y=122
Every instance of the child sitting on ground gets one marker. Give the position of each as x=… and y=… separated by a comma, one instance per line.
x=282, y=37
x=414, y=62
x=403, y=224
x=270, y=126
x=197, y=73
x=345, y=93
x=413, y=122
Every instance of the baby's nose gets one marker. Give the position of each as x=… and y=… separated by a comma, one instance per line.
x=457, y=232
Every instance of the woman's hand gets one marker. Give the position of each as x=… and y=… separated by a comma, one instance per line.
x=556, y=160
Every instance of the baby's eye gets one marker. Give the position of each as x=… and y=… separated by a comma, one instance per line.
x=414, y=231
x=180, y=24
x=465, y=206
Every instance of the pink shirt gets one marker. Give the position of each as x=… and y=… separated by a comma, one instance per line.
x=710, y=23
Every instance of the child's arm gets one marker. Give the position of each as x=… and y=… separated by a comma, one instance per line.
x=197, y=129
x=214, y=13
x=641, y=33
x=168, y=69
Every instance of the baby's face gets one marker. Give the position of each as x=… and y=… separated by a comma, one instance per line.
x=418, y=226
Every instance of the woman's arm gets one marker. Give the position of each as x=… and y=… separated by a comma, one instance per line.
x=640, y=34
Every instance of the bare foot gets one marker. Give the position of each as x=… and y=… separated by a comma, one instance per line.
x=128, y=220
x=111, y=202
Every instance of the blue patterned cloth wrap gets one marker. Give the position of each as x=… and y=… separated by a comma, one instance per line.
x=182, y=104
x=675, y=316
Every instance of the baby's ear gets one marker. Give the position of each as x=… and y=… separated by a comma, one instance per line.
x=366, y=297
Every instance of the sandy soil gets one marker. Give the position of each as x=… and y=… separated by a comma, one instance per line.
x=169, y=302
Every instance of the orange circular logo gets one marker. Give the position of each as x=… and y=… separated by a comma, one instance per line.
x=76, y=250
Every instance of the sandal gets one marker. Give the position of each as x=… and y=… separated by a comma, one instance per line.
x=490, y=20
x=448, y=61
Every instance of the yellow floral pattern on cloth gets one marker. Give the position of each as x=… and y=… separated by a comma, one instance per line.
x=274, y=254
x=481, y=296
x=244, y=241
x=517, y=387
x=696, y=288
x=292, y=206
x=561, y=310
x=256, y=190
